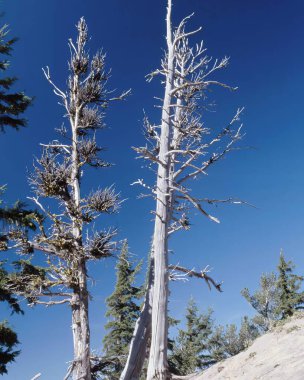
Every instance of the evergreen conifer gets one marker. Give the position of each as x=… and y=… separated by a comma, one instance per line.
x=288, y=284
x=264, y=300
x=12, y=104
x=190, y=351
x=123, y=311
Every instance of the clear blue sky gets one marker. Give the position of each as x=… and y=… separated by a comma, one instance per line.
x=265, y=42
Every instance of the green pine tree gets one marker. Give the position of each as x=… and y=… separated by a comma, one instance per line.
x=12, y=104
x=278, y=297
x=123, y=311
x=216, y=345
x=8, y=338
x=8, y=342
x=224, y=343
x=190, y=351
x=10, y=216
x=264, y=300
x=248, y=332
x=288, y=284
x=229, y=341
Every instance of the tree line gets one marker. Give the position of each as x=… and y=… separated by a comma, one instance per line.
x=201, y=342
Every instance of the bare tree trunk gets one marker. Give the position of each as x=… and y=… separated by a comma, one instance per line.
x=158, y=363
x=81, y=331
x=80, y=316
x=142, y=332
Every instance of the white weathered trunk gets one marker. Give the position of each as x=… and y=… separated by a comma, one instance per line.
x=158, y=363
x=142, y=333
x=81, y=331
x=80, y=316
x=175, y=146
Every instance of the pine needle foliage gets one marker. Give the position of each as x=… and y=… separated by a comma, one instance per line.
x=203, y=343
x=278, y=297
x=123, y=311
x=8, y=342
x=289, y=285
x=12, y=104
x=190, y=350
x=10, y=217
x=229, y=340
x=264, y=300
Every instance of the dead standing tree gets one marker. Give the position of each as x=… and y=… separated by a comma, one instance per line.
x=182, y=149
x=65, y=238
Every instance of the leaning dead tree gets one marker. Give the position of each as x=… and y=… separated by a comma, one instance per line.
x=66, y=239
x=180, y=149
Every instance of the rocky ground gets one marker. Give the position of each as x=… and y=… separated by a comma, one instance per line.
x=279, y=354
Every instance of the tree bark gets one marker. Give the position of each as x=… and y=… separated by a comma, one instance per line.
x=158, y=361
x=80, y=328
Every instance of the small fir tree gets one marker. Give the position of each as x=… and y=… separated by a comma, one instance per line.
x=278, y=297
x=123, y=311
x=229, y=341
x=288, y=284
x=248, y=332
x=264, y=300
x=224, y=342
x=12, y=104
x=190, y=351
x=216, y=347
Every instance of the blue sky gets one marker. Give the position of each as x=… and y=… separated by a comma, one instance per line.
x=263, y=39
